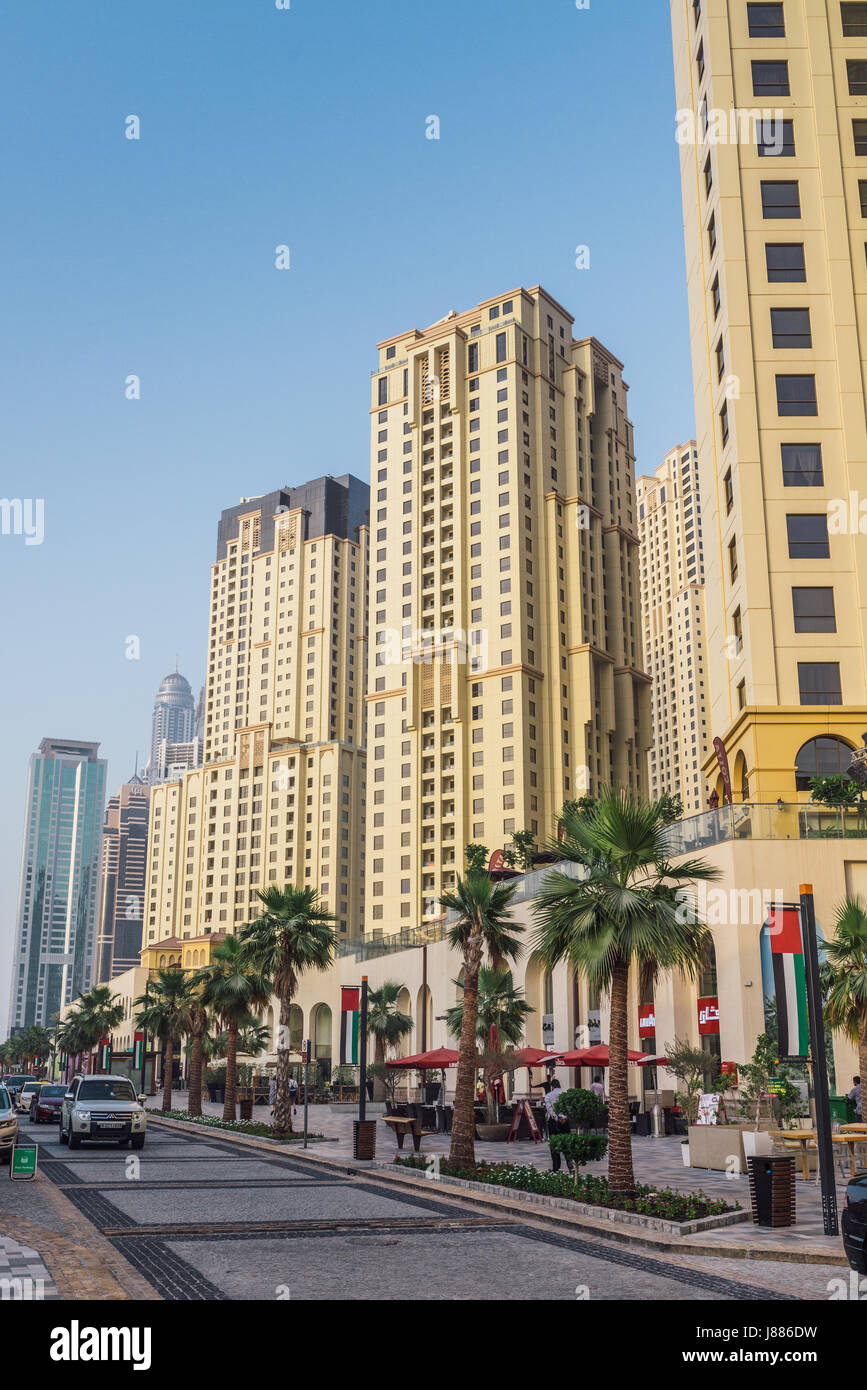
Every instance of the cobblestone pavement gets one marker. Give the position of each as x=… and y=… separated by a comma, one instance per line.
x=23, y=1274
x=201, y=1216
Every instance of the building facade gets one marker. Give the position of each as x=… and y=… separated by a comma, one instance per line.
x=673, y=624
x=172, y=722
x=57, y=898
x=773, y=152
x=281, y=795
x=122, y=881
x=505, y=666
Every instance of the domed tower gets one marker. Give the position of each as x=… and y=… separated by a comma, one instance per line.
x=174, y=711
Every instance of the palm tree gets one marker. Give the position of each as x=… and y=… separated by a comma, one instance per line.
x=386, y=1025
x=624, y=912
x=294, y=934
x=844, y=976
x=482, y=926
x=198, y=1028
x=231, y=988
x=500, y=1005
x=164, y=1012
x=99, y=1011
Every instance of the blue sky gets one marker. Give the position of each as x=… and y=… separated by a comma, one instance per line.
x=155, y=257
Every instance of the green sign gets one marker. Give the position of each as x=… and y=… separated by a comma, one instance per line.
x=23, y=1163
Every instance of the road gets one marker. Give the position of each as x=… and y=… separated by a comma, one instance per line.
x=202, y=1220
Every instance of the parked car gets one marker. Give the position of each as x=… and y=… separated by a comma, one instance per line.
x=14, y=1083
x=26, y=1094
x=8, y=1125
x=102, y=1107
x=46, y=1104
x=854, y=1222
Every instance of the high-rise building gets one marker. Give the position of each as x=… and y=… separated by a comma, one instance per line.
x=171, y=759
x=672, y=610
x=57, y=897
x=281, y=796
x=122, y=887
x=506, y=671
x=173, y=719
x=774, y=173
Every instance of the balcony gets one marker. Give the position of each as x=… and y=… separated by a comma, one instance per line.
x=748, y=820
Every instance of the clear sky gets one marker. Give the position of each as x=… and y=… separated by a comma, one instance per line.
x=155, y=257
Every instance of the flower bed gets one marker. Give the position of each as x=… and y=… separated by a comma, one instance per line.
x=254, y=1127
x=590, y=1188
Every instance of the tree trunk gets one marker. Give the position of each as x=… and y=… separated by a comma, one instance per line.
x=194, y=1099
x=378, y=1059
x=462, y=1149
x=621, y=1178
x=231, y=1072
x=282, y=1122
x=168, y=1075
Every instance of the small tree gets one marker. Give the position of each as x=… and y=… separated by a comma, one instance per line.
x=758, y=1073
x=671, y=807
x=837, y=790
x=476, y=857
x=690, y=1065
x=583, y=1108
x=578, y=1149
x=524, y=848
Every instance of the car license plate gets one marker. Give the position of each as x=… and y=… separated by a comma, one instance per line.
x=111, y=1124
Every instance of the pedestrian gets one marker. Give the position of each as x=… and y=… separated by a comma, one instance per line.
x=855, y=1096
x=293, y=1093
x=557, y=1124
x=598, y=1089
x=272, y=1093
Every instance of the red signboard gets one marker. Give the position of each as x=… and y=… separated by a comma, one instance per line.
x=722, y=758
x=495, y=863
x=729, y=1069
x=646, y=1021
x=708, y=1014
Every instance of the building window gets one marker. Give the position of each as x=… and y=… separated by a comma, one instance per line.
x=501, y=347
x=382, y=390
x=814, y=610
x=766, y=21
x=790, y=328
x=862, y=196
x=780, y=199
x=819, y=683
x=856, y=72
x=785, y=262
x=473, y=357
x=737, y=630
x=827, y=756
x=728, y=491
x=715, y=296
x=699, y=62
x=711, y=235
x=733, y=559
x=724, y=424
x=742, y=694
x=775, y=139
x=720, y=360
x=708, y=177
x=770, y=79
x=807, y=534
x=802, y=465
x=796, y=395
x=859, y=137
x=854, y=17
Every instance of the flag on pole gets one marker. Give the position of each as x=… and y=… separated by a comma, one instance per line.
x=349, y=1019
x=790, y=983
x=138, y=1051
x=105, y=1053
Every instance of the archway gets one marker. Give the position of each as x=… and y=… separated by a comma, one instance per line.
x=321, y=1025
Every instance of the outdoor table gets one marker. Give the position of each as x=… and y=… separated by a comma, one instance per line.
x=852, y=1140
x=801, y=1137
x=854, y=1126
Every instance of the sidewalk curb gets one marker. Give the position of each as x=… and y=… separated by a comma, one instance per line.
x=389, y=1174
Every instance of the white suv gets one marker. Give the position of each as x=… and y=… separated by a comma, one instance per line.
x=102, y=1107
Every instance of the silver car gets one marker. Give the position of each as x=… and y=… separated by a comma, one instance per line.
x=102, y=1107
x=8, y=1125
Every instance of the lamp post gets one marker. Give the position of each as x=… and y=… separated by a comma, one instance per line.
x=824, y=1142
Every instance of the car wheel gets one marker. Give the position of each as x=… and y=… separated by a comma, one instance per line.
x=137, y=1141
x=63, y=1136
x=74, y=1140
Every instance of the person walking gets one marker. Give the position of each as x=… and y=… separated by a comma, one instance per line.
x=293, y=1093
x=855, y=1096
x=557, y=1124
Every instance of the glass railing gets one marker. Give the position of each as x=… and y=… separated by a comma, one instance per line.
x=766, y=821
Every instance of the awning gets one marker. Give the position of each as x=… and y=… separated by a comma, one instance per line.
x=535, y=1057
x=428, y=1061
x=599, y=1057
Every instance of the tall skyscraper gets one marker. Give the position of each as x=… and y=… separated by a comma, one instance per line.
x=57, y=898
x=775, y=229
x=173, y=719
x=672, y=609
x=122, y=886
x=281, y=797
x=506, y=671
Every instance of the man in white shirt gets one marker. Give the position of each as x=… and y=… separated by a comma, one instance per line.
x=557, y=1124
x=855, y=1095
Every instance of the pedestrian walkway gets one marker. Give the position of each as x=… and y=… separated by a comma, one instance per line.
x=23, y=1275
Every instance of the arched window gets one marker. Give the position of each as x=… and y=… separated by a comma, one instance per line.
x=707, y=981
x=821, y=757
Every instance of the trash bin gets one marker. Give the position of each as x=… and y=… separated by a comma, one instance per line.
x=657, y=1122
x=772, y=1190
x=364, y=1139
x=842, y=1109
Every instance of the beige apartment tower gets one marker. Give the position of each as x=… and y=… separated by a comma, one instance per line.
x=281, y=796
x=673, y=623
x=775, y=216
x=505, y=657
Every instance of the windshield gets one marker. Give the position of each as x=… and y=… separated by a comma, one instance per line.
x=107, y=1088
x=5, y=1102
x=30, y=1086
x=52, y=1091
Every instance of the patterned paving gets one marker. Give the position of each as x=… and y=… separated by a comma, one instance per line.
x=23, y=1275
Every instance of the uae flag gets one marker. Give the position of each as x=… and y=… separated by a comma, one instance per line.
x=790, y=985
x=105, y=1053
x=138, y=1050
x=349, y=1017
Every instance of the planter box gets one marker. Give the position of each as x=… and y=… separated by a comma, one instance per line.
x=714, y=1147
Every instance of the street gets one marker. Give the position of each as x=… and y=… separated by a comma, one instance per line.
x=201, y=1218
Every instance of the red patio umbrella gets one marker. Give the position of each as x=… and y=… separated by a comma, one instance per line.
x=536, y=1056
x=598, y=1056
x=428, y=1061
